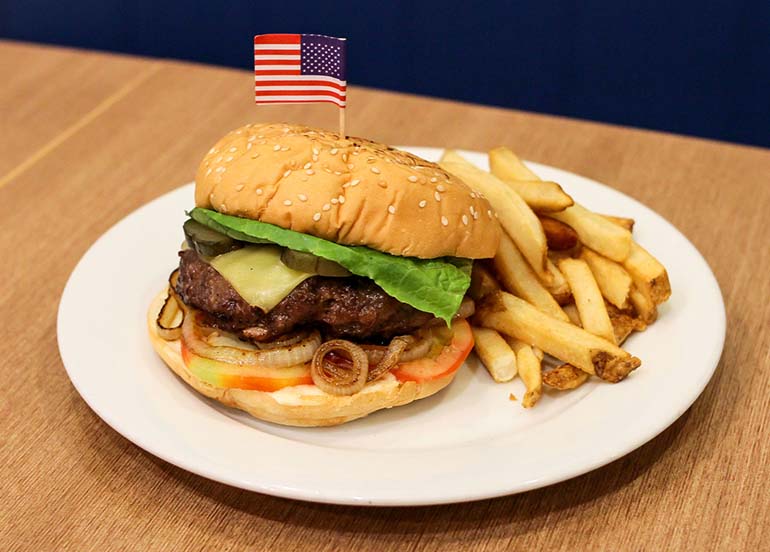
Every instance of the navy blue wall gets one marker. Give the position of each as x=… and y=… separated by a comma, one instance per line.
x=694, y=67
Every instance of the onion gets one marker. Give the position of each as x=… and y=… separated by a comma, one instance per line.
x=164, y=323
x=466, y=310
x=419, y=348
x=279, y=357
x=391, y=357
x=339, y=374
x=284, y=341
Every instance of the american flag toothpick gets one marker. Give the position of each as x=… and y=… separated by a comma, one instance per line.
x=300, y=68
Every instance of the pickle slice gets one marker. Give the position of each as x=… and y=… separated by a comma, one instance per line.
x=307, y=262
x=207, y=242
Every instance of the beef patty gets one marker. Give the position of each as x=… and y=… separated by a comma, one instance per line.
x=351, y=307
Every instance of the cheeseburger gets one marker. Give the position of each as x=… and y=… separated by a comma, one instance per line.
x=322, y=277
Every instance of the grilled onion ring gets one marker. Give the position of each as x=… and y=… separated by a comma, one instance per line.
x=396, y=348
x=171, y=308
x=342, y=378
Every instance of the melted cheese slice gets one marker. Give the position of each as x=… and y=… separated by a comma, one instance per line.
x=258, y=275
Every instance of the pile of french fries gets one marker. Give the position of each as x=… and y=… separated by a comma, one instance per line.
x=565, y=281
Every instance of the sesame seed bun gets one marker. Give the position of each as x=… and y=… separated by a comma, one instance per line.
x=347, y=190
x=301, y=405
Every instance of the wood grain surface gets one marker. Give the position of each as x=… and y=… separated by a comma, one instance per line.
x=87, y=138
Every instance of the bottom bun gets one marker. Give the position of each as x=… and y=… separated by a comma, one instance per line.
x=301, y=405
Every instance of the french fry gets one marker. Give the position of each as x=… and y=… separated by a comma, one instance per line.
x=574, y=315
x=623, y=323
x=649, y=275
x=514, y=215
x=588, y=298
x=482, y=282
x=558, y=235
x=564, y=377
x=541, y=196
x=529, y=372
x=512, y=316
x=517, y=276
x=614, y=282
x=558, y=288
x=623, y=222
x=495, y=354
x=596, y=232
x=506, y=165
x=643, y=305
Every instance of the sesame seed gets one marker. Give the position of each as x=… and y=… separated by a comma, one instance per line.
x=371, y=159
x=338, y=173
x=375, y=170
x=317, y=217
x=382, y=184
x=344, y=157
x=441, y=188
x=220, y=169
x=328, y=170
x=218, y=159
x=309, y=172
x=422, y=204
x=233, y=150
x=212, y=150
x=239, y=187
x=489, y=213
x=326, y=207
x=355, y=182
x=351, y=165
x=252, y=138
x=286, y=148
x=475, y=215
x=302, y=197
x=473, y=195
x=433, y=179
x=315, y=151
x=208, y=172
x=437, y=196
x=465, y=220
x=248, y=146
x=223, y=207
x=391, y=210
x=444, y=221
x=342, y=199
x=315, y=158
x=229, y=158
x=335, y=201
x=287, y=173
x=260, y=136
x=472, y=209
x=333, y=151
x=307, y=165
x=356, y=152
x=412, y=178
x=259, y=191
x=277, y=147
x=255, y=156
x=287, y=202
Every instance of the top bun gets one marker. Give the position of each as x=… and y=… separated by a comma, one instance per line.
x=347, y=190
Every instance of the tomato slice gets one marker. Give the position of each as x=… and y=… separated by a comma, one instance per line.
x=448, y=360
x=261, y=378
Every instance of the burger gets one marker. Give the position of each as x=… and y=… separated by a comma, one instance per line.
x=322, y=277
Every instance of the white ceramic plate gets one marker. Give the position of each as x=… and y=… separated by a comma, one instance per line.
x=467, y=442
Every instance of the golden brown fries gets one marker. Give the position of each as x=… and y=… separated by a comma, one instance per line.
x=541, y=196
x=529, y=371
x=558, y=235
x=588, y=298
x=495, y=354
x=512, y=316
x=614, y=282
x=514, y=215
x=506, y=165
x=649, y=275
x=558, y=288
x=564, y=377
x=482, y=282
x=517, y=276
x=623, y=222
x=597, y=232
x=572, y=312
x=623, y=323
x=643, y=305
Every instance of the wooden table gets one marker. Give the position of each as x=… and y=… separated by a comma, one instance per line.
x=86, y=138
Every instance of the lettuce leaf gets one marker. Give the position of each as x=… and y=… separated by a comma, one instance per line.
x=436, y=286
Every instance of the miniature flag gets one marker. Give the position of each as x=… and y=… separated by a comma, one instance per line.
x=294, y=68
